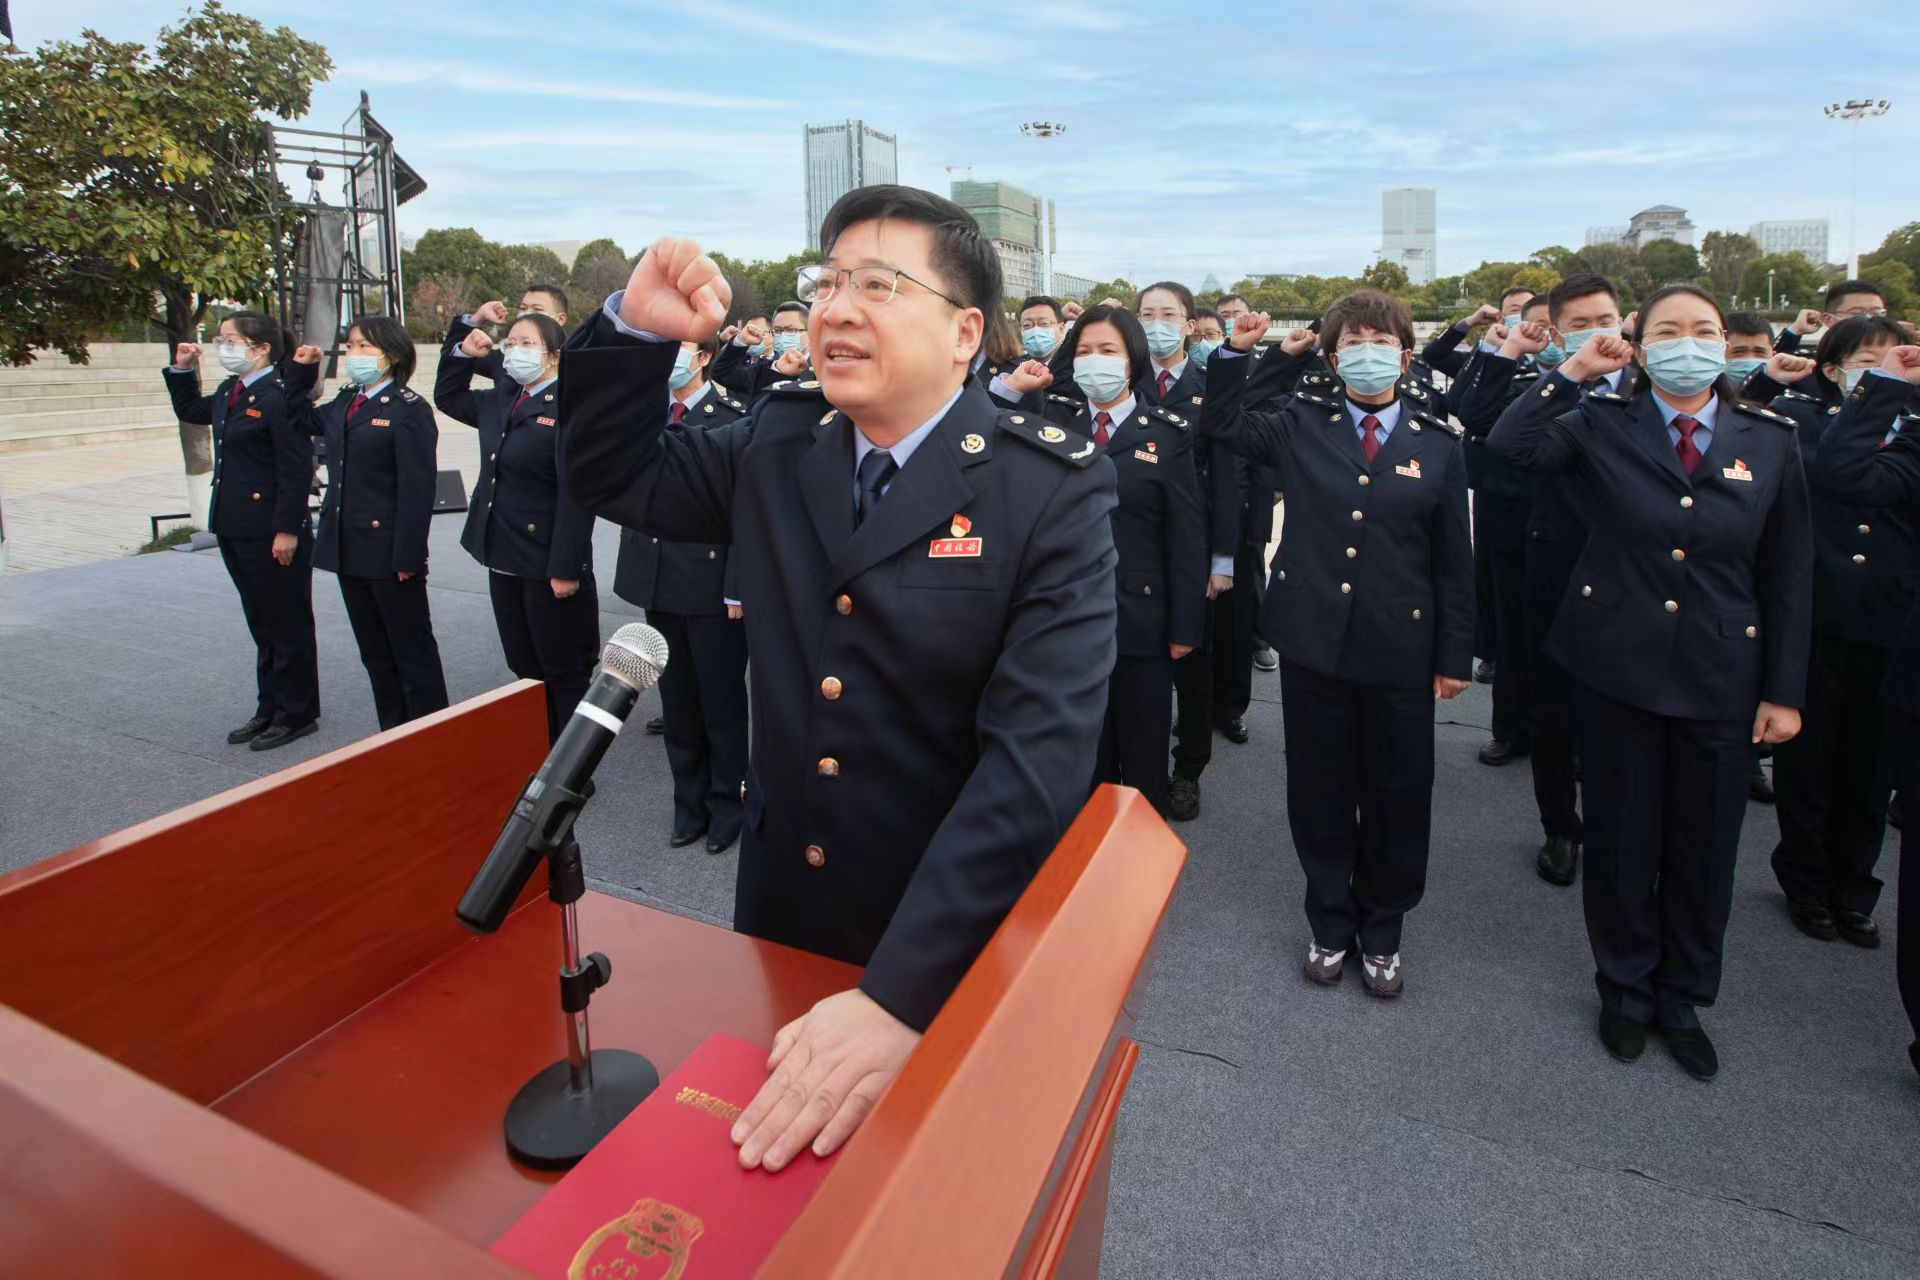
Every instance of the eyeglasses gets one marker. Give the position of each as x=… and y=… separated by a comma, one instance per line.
x=1855, y=313
x=870, y=286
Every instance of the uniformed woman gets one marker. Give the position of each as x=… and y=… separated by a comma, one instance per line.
x=262, y=472
x=683, y=586
x=523, y=523
x=1687, y=620
x=381, y=440
x=1370, y=605
x=1158, y=532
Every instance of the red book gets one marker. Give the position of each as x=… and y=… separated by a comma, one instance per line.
x=663, y=1197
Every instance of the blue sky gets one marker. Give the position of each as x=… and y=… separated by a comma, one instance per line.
x=1198, y=141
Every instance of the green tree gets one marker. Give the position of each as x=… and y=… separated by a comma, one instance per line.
x=486, y=270
x=1901, y=245
x=1726, y=255
x=1486, y=282
x=1388, y=277
x=129, y=174
x=1122, y=289
x=1556, y=258
x=1670, y=262
x=1622, y=268
x=1796, y=283
x=1895, y=281
x=536, y=264
x=599, y=269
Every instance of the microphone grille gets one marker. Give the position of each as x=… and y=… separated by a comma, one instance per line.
x=636, y=654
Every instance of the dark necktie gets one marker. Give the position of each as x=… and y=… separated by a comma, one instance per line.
x=679, y=414
x=1103, y=428
x=1166, y=380
x=233, y=396
x=518, y=401
x=1689, y=453
x=354, y=408
x=1370, y=437
x=876, y=470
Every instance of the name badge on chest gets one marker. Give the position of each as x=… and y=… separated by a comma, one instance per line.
x=382, y=422
x=1738, y=471
x=253, y=413
x=1144, y=456
x=1411, y=471
x=545, y=422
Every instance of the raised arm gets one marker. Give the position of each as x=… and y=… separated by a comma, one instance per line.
x=1257, y=434
x=183, y=384
x=453, y=392
x=1850, y=463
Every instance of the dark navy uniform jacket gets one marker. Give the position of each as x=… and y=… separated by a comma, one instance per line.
x=1220, y=472
x=1694, y=596
x=1865, y=557
x=262, y=459
x=688, y=578
x=523, y=518
x=926, y=708
x=1851, y=465
x=381, y=465
x=1158, y=529
x=1373, y=582
x=1482, y=388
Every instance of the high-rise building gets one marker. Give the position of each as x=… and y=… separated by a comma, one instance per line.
x=1068, y=285
x=1605, y=235
x=1407, y=231
x=1804, y=236
x=841, y=157
x=1017, y=222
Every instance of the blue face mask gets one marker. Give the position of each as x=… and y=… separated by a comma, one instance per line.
x=363, y=371
x=1553, y=354
x=1369, y=368
x=1742, y=369
x=1226, y=324
x=1163, y=338
x=1686, y=366
x=683, y=370
x=1039, y=342
x=1103, y=378
x=1578, y=338
x=784, y=342
x=1201, y=352
x=523, y=364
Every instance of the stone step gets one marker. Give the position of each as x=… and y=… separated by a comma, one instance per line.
x=95, y=396
x=111, y=355
x=63, y=375
x=54, y=420
x=42, y=435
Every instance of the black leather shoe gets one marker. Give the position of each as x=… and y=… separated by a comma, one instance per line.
x=1183, y=798
x=1265, y=659
x=657, y=725
x=279, y=736
x=1483, y=671
x=681, y=839
x=1813, y=919
x=1497, y=753
x=249, y=731
x=1235, y=729
x=722, y=843
x=1692, y=1050
x=1559, y=860
x=1759, y=786
x=1625, y=1039
x=1856, y=927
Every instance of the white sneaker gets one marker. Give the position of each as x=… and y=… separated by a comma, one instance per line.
x=1381, y=975
x=1323, y=966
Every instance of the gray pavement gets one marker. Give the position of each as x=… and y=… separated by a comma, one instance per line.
x=1474, y=1128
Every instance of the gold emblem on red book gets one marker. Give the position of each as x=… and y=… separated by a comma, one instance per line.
x=649, y=1231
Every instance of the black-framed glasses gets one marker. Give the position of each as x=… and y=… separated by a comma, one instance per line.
x=871, y=286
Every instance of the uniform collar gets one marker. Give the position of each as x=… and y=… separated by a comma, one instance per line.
x=1388, y=415
x=903, y=448
x=248, y=379
x=1119, y=412
x=538, y=387
x=368, y=393
x=1706, y=416
x=691, y=400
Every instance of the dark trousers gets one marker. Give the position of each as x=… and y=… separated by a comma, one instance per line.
x=544, y=638
x=1903, y=745
x=1665, y=797
x=1193, y=704
x=1830, y=783
x=703, y=699
x=1553, y=695
x=1359, y=803
x=278, y=602
x=1233, y=639
x=393, y=626
x=1503, y=532
x=1486, y=630
x=1133, y=739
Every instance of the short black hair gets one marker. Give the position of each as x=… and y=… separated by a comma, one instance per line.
x=785, y=307
x=1132, y=336
x=1845, y=337
x=1207, y=313
x=395, y=343
x=1173, y=287
x=257, y=328
x=552, y=336
x=1368, y=309
x=553, y=291
x=1512, y=289
x=1749, y=322
x=1042, y=300
x=1537, y=300
x=1225, y=298
x=1835, y=292
x=1578, y=286
x=963, y=257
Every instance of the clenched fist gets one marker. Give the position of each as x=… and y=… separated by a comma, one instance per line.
x=676, y=292
x=755, y=334
x=790, y=364
x=1487, y=314
x=1806, y=322
x=1784, y=369
x=1072, y=311
x=1604, y=353
x=1249, y=329
x=1030, y=376
x=476, y=344
x=1903, y=362
x=307, y=355
x=494, y=312
x=1528, y=339
x=1299, y=342
x=186, y=356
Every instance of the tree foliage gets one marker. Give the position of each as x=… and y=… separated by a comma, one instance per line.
x=1726, y=255
x=1796, y=282
x=129, y=174
x=1901, y=245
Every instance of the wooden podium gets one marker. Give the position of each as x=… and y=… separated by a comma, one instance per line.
x=249, y=1039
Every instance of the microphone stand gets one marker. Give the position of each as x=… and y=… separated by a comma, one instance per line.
x=562, y=1112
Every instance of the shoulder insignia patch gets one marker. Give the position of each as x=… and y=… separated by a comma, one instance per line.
x=1799, y=395
x=1063, y=399
x=1611, y=397
x=1313, y=397
x=1162, y=414
x=1073, y=449
x=407, y=394
x=788, y=388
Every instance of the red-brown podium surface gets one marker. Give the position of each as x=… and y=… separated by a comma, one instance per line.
x=249, y=1038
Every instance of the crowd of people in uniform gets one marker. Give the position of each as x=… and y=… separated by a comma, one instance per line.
x=1674, y=539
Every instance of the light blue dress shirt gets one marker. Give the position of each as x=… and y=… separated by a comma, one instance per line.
x=1388, y=416
x=1703, y=434
x=901, y=450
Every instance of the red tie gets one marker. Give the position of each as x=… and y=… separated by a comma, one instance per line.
x=354, y=408
x=517, y=402
x=679, y=413
x=1103, y=428
x=1370, y=437
x=233, y=396
x=1689, y=454
x=1166, y=380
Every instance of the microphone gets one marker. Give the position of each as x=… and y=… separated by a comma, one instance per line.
x=542, y=818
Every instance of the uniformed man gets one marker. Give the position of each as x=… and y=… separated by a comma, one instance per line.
x=684, y=588
x=930, y=607
x=262, y=470
x=745, y=373
x=1371, y=607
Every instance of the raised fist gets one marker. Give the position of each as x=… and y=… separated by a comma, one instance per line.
x=1249, y=329
x=1487, y=314
x=1113, y=302
x=1072, y=311
x=1784, y=369
x=1903, y=362
x=1299, y=342
x=755, y=334
x=1497, y=333
x=186, y=356
x=494, y=312
x=1806, y=322
x=1526, y=339
x=306, y=355
x=476, y=344
x=1030, y=376
x=1604, y=353
x=676, y=292
x=728, y=334
x=790, y=364
x=1627, y=325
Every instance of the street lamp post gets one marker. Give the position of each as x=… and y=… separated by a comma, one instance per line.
x=1855, y=110
x=1769, y=288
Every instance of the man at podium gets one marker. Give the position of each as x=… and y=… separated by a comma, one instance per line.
x=930, y=611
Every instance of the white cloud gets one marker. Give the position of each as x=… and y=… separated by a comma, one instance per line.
x=508, y=81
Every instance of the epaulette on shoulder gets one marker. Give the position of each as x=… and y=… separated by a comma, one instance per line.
x=1755, y=411
x=1311, y=396
x=409, y=394
x=1413, y=388
x=1527, y=375
x=1607, y=397
x=1055, y=442
x=789, y=389
x=1438, y=423
x=1317, y=380
x=1165, y=415
x=1799, y=395
x=1063, y=400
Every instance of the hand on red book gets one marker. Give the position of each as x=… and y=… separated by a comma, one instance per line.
x=829, y=1069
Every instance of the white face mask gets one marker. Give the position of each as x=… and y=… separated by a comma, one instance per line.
x=1103, y=378
x=523, y=364
x=233, y=356
x=1853, y=376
